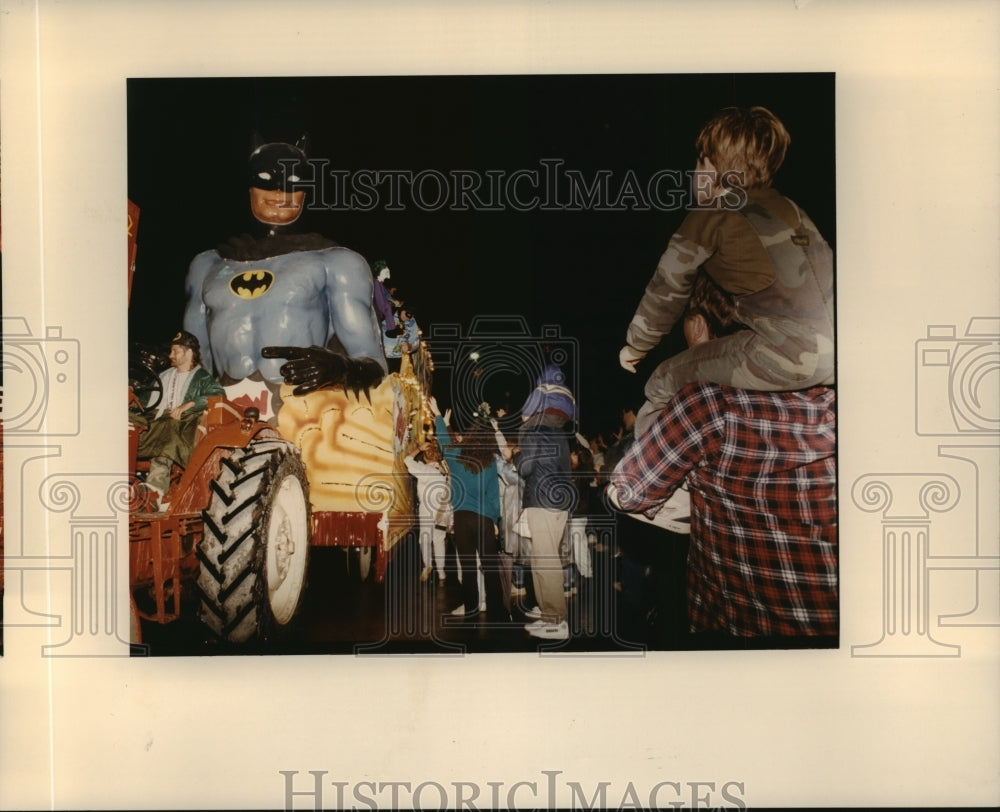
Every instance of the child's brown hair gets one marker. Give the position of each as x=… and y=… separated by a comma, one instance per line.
x=751, y=141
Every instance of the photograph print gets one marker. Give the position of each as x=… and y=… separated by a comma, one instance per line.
x=504, y=363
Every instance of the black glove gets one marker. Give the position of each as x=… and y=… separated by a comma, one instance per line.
x=395, y=332
x=312, y=368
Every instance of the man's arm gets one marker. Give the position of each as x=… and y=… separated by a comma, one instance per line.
x=202, y=387
x=687, y=430
x=507, y=472
x=443, y=435
x=526, y=453
x=417, y=468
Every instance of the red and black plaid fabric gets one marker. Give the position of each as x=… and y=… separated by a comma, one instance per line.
x=761, y=470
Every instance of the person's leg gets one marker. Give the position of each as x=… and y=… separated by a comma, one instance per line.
x=466, y=533
x=158, y=477
x=517, y=577
x=488, y=555
x=506, y=579
x=566, y=556
x=581, y=546
x=438, y=536
x=426, y=527
x=546, y=566
x=743, y=360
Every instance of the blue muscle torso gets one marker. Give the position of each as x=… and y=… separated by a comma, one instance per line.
x=299, y=299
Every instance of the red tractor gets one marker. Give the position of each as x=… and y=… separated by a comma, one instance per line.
x=240, y=518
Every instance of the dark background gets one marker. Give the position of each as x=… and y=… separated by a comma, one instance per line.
x=584, y=271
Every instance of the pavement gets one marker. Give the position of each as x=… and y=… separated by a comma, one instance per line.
x=634, y=603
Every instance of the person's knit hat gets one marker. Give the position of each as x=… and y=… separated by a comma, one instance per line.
x=186, y=339
x=550, y=395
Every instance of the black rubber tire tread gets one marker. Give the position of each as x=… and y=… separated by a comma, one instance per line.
x=232, y=578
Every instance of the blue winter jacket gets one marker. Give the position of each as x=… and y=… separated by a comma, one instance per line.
x=543, y=462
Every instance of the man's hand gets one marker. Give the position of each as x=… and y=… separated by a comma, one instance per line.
x=629, y=357
x=178, y=411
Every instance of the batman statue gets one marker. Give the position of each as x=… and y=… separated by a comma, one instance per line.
x=278, y=306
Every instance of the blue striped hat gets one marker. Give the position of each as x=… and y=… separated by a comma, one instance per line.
x=550, y=394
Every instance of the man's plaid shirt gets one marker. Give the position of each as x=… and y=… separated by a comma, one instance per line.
x=761, y=470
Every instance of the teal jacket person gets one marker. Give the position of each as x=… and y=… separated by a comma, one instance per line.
x=478, y=492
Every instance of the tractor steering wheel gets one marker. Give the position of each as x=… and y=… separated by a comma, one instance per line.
x=143, y=377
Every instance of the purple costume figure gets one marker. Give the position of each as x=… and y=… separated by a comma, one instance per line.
x=383, y=298
x=276, y=294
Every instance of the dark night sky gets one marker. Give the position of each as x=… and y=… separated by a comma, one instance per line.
x=188, y=140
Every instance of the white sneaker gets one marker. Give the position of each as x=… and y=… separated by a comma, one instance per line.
x=534, y=612
x=535, y=625
x=674, y=515
x=459, y=610
x=551, y=631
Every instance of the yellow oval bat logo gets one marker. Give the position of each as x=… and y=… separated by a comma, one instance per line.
x=251, y=284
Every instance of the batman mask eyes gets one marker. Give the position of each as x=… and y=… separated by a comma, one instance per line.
x=276, y=166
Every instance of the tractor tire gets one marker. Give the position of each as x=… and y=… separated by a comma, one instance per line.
x=256, y=543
